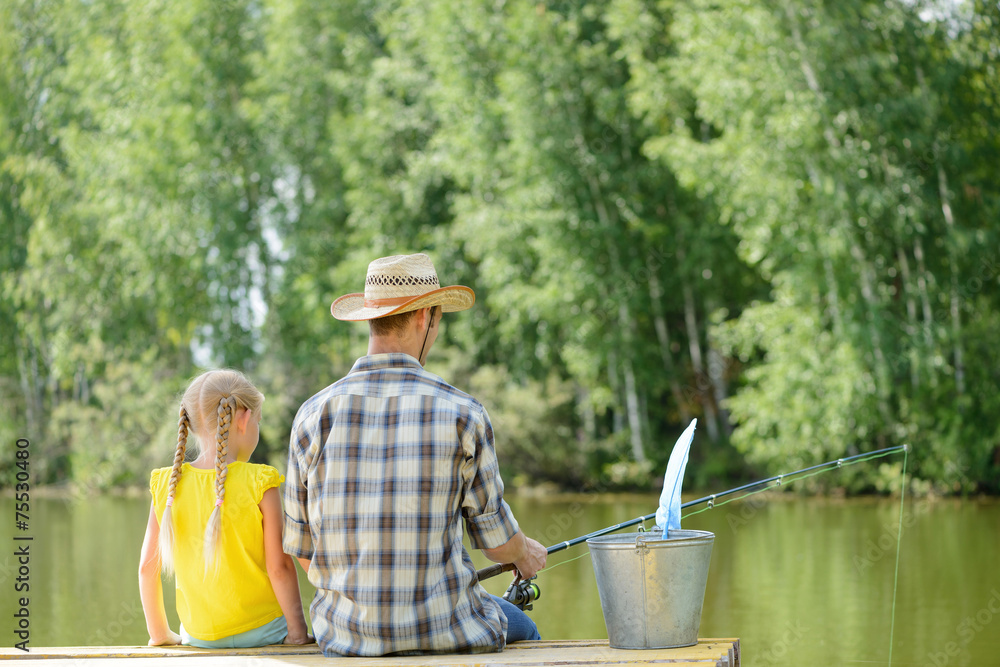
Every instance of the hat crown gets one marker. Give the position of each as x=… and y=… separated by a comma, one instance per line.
x=399, y=284
x=400, y=276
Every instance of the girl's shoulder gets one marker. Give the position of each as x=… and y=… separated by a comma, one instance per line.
x=159, y=480
x=256, y=469
x=158, y=476
x=261, y=477
x=256, y=466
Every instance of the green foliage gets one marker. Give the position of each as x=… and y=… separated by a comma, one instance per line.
x=128, y=427
x=779, y=218
x=534, y=425
x=808, y=395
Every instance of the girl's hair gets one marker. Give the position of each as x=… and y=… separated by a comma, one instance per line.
x=211, y=399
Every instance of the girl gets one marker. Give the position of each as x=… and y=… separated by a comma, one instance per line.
x=216, y=523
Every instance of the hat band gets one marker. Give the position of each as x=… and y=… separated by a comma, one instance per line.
x=392, y=301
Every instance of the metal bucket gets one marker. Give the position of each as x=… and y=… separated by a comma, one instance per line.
x=652, y=589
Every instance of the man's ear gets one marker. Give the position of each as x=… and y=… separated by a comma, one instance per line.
x=431, y=313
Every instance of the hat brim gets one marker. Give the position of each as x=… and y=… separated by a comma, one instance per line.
x=351, y=307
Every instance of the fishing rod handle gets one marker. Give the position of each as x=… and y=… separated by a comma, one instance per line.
x=493, y=570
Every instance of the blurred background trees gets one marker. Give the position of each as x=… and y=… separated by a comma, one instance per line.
x=778, y=217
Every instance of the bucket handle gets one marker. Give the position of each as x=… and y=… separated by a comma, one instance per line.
x=640, y=544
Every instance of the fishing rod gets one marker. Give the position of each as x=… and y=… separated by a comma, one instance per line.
x=494, y=570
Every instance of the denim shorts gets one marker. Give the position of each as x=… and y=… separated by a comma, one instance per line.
x=273, y=632
x=520, y=627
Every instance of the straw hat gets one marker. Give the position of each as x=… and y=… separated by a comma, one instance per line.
x=399, y=284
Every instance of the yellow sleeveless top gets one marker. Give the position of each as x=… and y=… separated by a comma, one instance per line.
x=239, y=597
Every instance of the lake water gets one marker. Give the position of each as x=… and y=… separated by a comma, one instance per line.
x=798, y=580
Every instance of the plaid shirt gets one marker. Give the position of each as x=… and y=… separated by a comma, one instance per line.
x=383, y=465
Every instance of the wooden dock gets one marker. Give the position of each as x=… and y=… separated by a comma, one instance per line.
x=707, y=653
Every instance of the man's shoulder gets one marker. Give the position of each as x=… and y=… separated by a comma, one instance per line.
x=395, y=382
x=442, y=390
x=437, y=383
x=318, y=401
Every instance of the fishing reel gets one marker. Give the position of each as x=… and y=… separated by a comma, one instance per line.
x=521, y=593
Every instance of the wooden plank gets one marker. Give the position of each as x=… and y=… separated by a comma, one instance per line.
x=708, y=652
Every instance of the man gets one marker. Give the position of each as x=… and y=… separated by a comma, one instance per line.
x=384, y=467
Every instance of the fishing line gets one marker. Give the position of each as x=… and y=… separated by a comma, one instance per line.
x=789, y=479
x=899, y=537
x=568, y=560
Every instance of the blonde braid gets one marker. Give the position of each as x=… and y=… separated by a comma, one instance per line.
x=227, y=408
x=166, y=541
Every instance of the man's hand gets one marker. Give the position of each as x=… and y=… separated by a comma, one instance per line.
x=533, y=560
x=298, y=640
x=527, y=555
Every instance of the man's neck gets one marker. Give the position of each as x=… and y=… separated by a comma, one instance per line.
x=411, y=341
x=387, y=344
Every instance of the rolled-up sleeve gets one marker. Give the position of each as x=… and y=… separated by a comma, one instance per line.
x=297, y=539
x=488, y=519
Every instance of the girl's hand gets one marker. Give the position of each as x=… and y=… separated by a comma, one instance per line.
x=298, y=640
x=170, y=639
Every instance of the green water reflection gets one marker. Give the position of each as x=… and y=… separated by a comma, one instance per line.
x=798, y=580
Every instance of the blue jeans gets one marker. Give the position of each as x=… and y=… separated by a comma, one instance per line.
x=519, y=625
x=272, y=632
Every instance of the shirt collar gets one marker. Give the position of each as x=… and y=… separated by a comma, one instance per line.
x=376, y=362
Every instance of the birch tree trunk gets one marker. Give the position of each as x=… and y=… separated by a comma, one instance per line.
x=632, y=399
x=632, y=403
x=31, y=386
x=617, y=418
x=702, y=382
x=833, y=296
x=949, y=221
x=954, y=297
x=912, y=325
x=663, y=337
x=882, y=374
